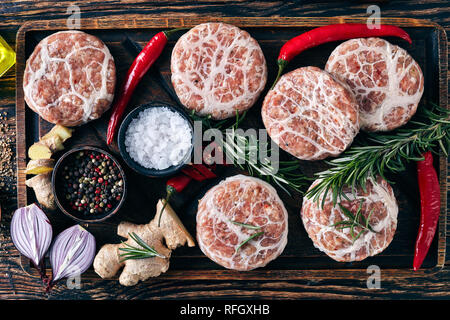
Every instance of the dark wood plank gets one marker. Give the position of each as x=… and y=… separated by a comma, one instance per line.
x=312, y=284
x=16, y=12
x=16, y=284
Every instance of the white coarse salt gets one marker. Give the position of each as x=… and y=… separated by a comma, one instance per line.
x=158, y=138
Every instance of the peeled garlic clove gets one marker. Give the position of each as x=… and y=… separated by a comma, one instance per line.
x=72, y=252
x=31, y=232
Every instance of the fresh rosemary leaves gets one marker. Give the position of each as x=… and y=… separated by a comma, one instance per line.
x=240, y=151
x=248, y=239
x=145, y=251
x=371, y=155
x=245, y=225
x=374, y=154
x=354, y=220
x=248, y=226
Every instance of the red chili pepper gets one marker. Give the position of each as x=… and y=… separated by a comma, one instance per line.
x=177, y=184
x=430, y=207
x=198, y=172
x=333, y=32
x=192, y=173
x=138, y=69
x=173, y=185
x=205, y=171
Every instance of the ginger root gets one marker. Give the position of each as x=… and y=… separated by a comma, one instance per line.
x=50, y=143
x=40, y=166
x=165, y=238
x=42, y=186
x=39, y=151
x=62, y=132
x=45, y=148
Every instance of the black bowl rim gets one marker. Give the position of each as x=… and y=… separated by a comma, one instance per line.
x=152, y=173
x=59, y=204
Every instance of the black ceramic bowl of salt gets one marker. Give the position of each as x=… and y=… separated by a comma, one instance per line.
x=138, y=167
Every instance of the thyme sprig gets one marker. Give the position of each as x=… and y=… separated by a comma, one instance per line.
x=354, y=220
x=132, y=252
x=240, y=152
x=375, y=154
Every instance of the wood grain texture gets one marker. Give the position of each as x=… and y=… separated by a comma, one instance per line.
x=17, y=284
x=16, y=12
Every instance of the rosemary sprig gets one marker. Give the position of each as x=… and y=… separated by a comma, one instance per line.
x=357, y=220
x=208, y=122
x=375, y=154
x=145, y=251
x=248, y=239
x=240, y=151
x=248, y=226
x=245, y=225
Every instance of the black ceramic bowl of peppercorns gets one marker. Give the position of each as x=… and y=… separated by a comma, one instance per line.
x=89, y=184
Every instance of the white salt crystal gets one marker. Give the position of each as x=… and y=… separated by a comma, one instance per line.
x=158, y=138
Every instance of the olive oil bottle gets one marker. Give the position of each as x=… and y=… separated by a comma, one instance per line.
x=7, y=57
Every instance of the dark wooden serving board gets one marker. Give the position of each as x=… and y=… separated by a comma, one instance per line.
x=300, y=260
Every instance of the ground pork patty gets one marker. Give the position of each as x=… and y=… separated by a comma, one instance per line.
x=70, y=78
x=338, y=243
x=385, y=79
x=217, y=69
x=310, y=115
x=246, y=200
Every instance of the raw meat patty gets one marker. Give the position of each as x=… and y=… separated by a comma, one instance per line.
x=245, y=200
x=385, y=79
x=338, y=244
x=217, y=69
x=310, y=115
x=70, y=78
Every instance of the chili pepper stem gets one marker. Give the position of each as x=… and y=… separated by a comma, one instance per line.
x=281, y=65
x=170, y=192
x=170, y=32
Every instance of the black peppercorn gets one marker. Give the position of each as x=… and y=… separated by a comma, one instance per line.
x=91, y=183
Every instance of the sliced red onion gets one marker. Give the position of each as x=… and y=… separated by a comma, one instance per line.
x=31, y=232
x=72, y=252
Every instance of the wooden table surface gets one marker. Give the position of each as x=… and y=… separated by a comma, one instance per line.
x=15, y=284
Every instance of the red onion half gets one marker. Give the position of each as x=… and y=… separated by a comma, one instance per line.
x=31, y=233
x=72, y=253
